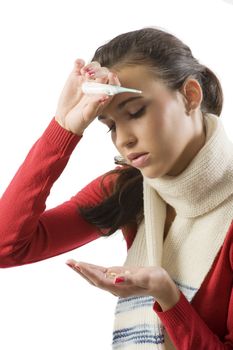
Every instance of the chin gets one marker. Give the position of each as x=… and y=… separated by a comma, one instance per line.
x=152, y=173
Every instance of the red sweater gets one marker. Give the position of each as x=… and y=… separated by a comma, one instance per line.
x=29, y=233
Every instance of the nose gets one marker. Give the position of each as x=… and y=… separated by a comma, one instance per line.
x=125, y=138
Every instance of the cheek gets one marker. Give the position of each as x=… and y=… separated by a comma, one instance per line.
x=155, y=127
x=160, y=135
x=168, y=105
x=169, y=120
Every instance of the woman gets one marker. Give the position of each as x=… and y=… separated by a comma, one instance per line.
x=171, y=194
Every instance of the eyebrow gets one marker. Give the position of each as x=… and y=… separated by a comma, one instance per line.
x=121, y=105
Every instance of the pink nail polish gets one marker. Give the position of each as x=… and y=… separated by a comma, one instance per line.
x=76, y=267
x=103, y=99
x=119, y=280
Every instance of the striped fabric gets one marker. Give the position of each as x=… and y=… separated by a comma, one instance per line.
x=137, y=333
x=133, y=303
x=146, y=333
x=202, y=196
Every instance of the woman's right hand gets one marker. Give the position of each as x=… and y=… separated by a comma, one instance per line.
x=76, y=110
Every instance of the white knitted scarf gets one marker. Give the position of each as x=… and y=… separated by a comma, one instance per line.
x=202, y=198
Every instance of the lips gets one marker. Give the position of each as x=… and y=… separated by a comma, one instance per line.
x=139, y=160
x=133, y=156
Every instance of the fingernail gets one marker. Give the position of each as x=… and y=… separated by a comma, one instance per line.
x=119, y=280
x=91, y=74
x=87, y=69
x=90, y=70
x=74, y=267
x=104, y=99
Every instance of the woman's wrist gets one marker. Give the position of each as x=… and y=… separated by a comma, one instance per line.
x=78, y=132
x=170, y=294
x=167, y=304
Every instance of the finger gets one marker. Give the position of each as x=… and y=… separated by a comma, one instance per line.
x=113, y=79
x=124, y=281
x=93, y=64
x=93, y=266
x=123, y=278
x=93, y=106
x=79, y=63
x=74, y=267
x=71, y=262
x=96, y=276
x=139, y=278
x=90, y=66
x=99, y=278
x=99, y=74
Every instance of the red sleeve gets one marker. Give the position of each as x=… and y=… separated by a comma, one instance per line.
x=28, y=233
x=189, y=332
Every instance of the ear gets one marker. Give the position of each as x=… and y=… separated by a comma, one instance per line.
x=193, y=95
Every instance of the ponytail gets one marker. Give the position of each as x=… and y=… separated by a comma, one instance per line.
x=212, y=93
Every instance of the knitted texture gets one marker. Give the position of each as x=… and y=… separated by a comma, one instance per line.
x=202, y=198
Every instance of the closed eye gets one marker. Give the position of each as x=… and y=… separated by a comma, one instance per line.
x=138, y=114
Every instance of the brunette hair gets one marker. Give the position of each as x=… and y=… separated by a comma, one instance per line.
x=172, y=62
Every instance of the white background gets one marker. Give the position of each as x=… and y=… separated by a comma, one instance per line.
x=46, y=305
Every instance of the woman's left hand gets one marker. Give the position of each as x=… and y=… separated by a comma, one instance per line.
x=131, y=281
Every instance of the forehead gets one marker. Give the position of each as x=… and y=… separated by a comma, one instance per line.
x=135, y=77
